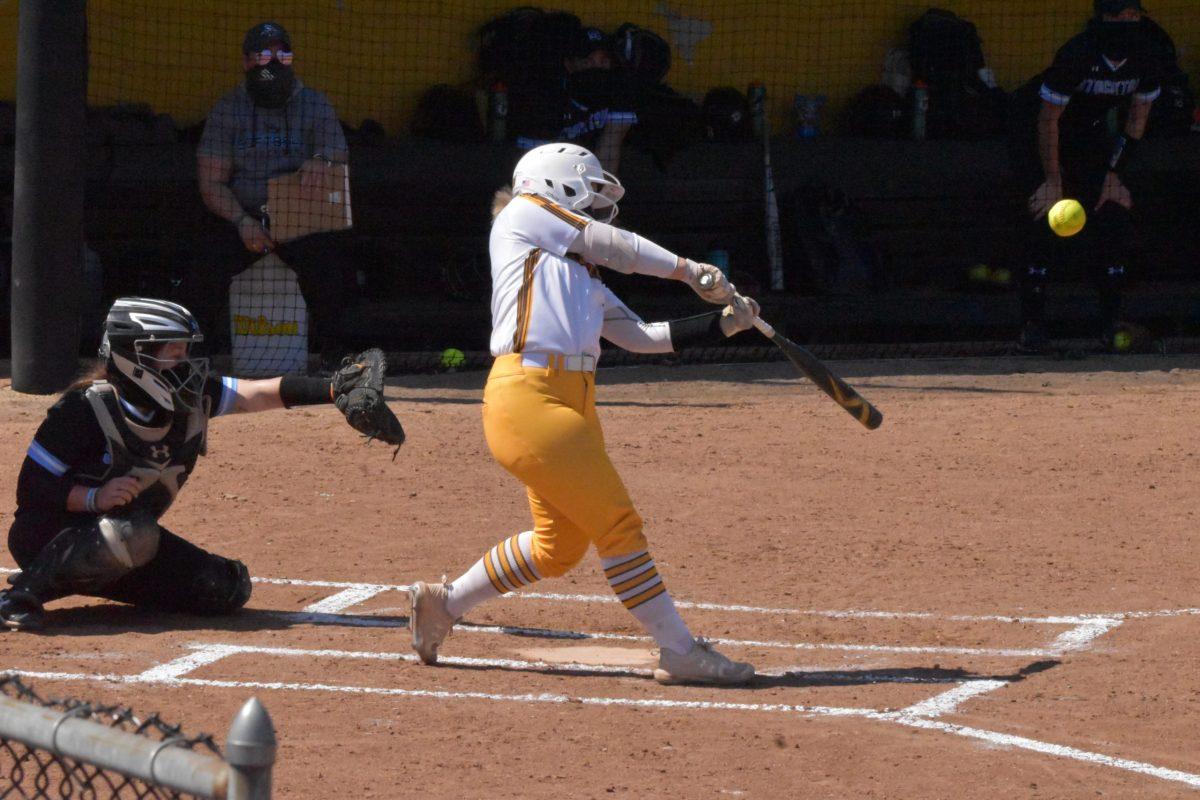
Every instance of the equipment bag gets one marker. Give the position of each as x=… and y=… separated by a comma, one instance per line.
x=947, y=55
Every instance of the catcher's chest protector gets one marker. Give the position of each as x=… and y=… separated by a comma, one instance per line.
x=160, y=458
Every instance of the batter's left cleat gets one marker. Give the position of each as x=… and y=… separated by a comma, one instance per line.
x=701, y=664
x=430, y=621
x=20, y=610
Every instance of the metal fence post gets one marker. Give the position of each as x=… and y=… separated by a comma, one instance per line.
x=250, y=753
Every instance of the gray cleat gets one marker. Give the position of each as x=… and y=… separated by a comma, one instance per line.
x=702, y=664
x=430, y=621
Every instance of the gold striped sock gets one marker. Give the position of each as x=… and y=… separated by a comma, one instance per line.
x=635, y=580
x=507, y=567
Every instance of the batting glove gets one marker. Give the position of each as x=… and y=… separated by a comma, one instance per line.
x=739, y=315
x=716, y=289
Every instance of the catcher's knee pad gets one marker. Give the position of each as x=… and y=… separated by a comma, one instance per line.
x=131, y=542
x=89, y=558
x=220, y=586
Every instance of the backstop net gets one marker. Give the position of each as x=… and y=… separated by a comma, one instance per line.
x=358, y=144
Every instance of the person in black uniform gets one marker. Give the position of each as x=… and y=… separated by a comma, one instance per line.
x=110, y=458
x=1069, y=153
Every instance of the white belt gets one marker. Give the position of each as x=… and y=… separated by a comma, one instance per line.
x=579, y=362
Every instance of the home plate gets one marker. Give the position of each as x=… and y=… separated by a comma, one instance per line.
x=592, y=656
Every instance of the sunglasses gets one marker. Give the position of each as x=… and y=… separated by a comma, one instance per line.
x=263, y=57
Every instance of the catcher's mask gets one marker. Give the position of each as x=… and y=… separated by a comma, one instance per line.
x=134, y=332
x=571, y=176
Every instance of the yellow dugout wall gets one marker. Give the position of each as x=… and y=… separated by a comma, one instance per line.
x=374, y=57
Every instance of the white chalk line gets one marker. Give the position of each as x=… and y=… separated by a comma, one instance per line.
x=1079, y=637
x=364, y=621
x=901, y=718
x=948, y=701
x=628, y=702
x=705, y=606
x=350, y=596
x=1047, y=748
x=214, y=652
x=220, y=651
x=1078, y=619
x=209, y=654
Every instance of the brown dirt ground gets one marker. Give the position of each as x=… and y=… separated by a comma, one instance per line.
x=1003, y=487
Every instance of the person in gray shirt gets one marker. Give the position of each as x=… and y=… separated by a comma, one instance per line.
x=271, y=124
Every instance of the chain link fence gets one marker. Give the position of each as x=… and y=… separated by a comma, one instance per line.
x=70, y=748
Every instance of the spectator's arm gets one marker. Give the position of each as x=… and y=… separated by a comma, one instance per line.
x=1048, y=139
x=213, y=174
x=1139, y=113
x=608, y=145
x=329, y=140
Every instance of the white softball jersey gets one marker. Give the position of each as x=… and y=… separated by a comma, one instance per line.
x=546, y=301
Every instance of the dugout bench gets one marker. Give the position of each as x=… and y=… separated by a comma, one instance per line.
x=932, y=209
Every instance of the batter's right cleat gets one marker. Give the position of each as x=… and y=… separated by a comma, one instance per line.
x=430, y=621
x=20, y=610
x=702, y=664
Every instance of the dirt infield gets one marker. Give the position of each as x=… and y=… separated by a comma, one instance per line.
x=996, y=594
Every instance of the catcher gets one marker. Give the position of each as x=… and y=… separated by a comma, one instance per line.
x=117, y=447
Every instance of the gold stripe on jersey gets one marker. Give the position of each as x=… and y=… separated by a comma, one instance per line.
x=519, y=559
x=574, y=220
x=635, y=561
x=635, y=601
x=525, y=301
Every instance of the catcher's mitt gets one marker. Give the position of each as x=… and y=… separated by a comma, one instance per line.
x=358, y=393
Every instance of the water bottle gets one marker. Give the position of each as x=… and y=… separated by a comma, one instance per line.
x=920, y=94
x=498, y=112
x=808, y=115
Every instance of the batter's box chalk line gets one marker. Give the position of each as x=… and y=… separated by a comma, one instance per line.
x=921, y=715
x=1082, y=631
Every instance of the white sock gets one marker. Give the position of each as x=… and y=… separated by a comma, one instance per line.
x=506, y=567
x=637, y=584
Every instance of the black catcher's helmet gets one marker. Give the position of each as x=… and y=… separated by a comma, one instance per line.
x=133, y=330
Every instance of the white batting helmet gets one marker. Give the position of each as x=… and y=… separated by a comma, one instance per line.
x=571, y=176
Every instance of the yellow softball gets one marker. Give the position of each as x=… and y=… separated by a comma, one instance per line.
x=1066, y=217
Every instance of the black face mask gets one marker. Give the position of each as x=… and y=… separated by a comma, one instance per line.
x=270, y=85
x=1118, y=40
x=593, y=88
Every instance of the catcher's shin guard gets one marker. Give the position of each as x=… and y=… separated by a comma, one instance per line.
x=89, y=558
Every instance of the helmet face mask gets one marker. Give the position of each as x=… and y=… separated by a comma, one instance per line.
x=134, y=335
x=571, y=176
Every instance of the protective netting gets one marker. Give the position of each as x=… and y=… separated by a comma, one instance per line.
x=28, y=772
x=362, y=141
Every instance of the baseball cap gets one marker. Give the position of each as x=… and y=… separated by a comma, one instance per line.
x=1117, y=6
x=263, y=34
x=589, y=41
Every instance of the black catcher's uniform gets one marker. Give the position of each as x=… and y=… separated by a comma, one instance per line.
x=89, y=437
x=1089, y=84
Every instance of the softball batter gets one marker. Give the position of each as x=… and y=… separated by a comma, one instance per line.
x=549, y=310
